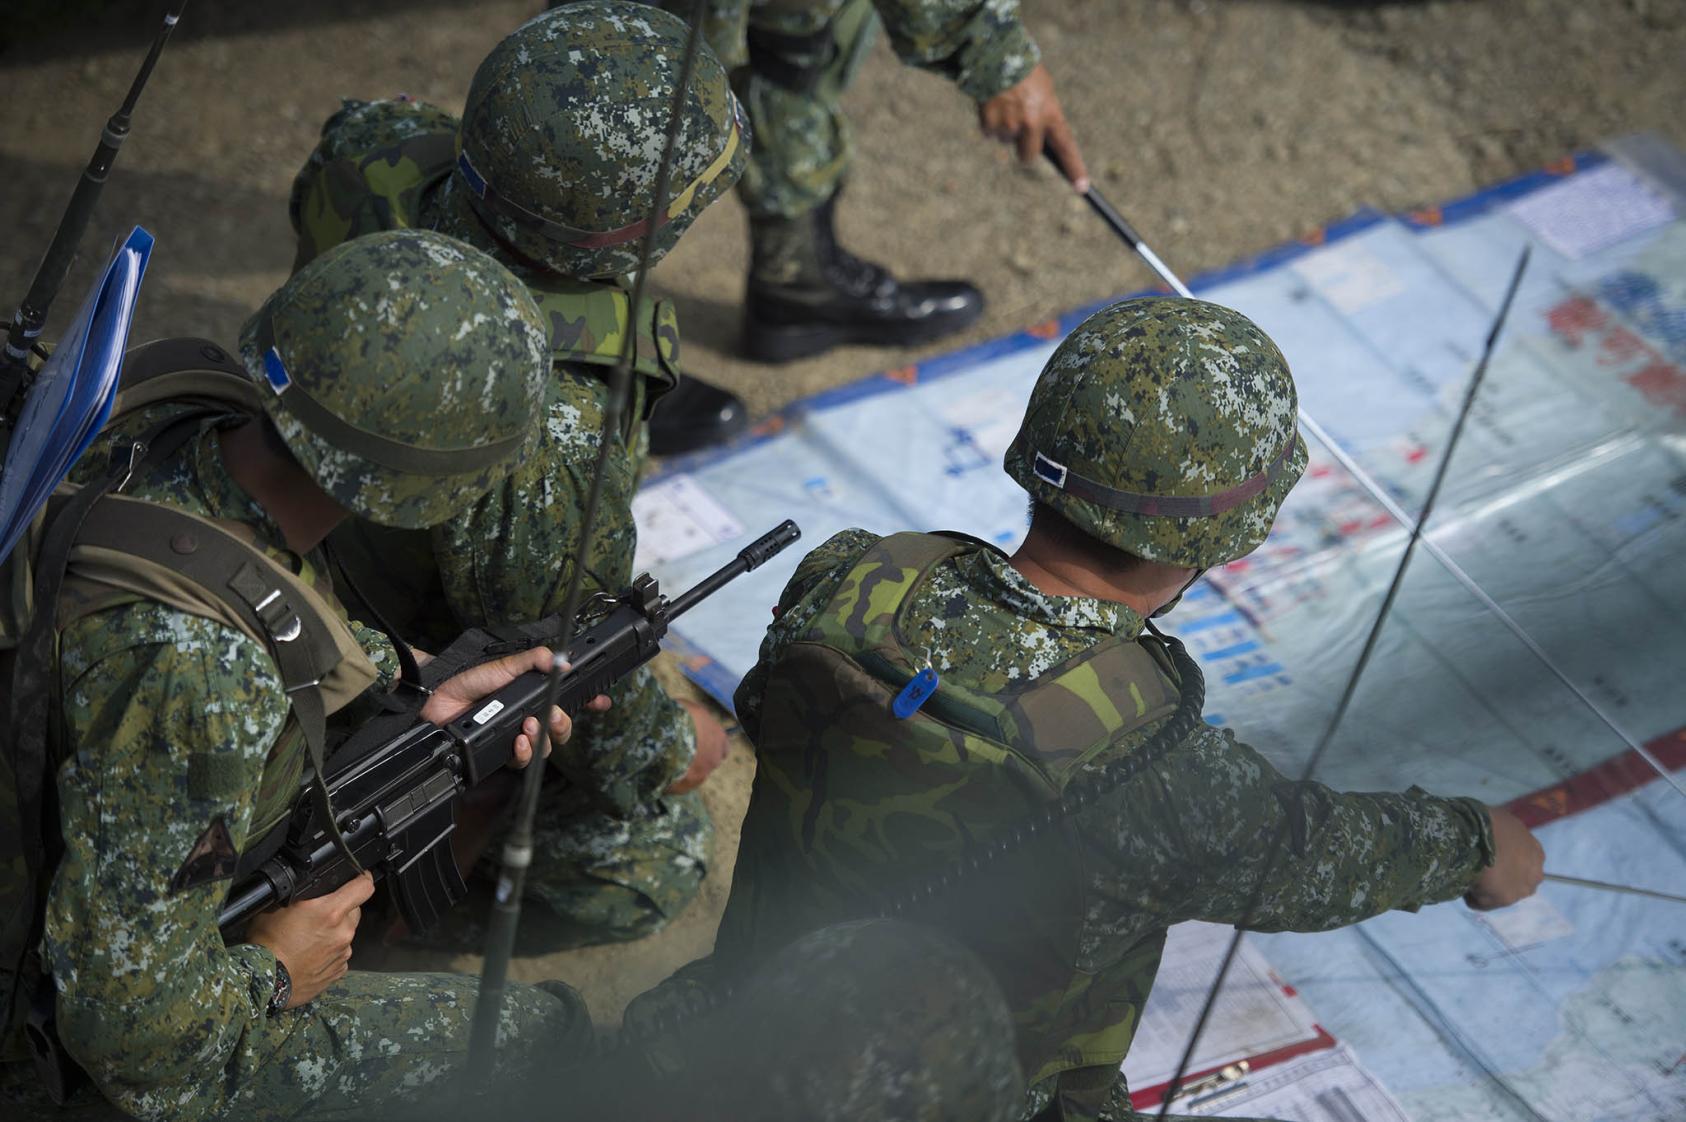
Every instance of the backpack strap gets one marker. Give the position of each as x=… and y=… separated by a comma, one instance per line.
x=185, y=369
x=35, y=663
x=250, y=587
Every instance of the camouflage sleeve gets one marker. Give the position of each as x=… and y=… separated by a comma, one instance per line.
x=981, y=45
x=1203, y=819
x=510, y=560
x=170, y=718
x=807, y=591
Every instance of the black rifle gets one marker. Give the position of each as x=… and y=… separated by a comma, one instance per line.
x=395, y=784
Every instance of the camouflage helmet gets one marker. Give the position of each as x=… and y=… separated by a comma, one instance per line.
x=1164, y=427
x=563, y=133
x=407, y=371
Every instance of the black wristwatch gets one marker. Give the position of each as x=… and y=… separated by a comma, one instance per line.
x=283, y=989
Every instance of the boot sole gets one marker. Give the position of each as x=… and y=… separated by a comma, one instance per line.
x=779, y=343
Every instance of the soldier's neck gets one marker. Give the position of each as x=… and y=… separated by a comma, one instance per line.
x=1059, y=570
x=275, y=480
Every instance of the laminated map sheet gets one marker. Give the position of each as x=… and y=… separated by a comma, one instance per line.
x=1565, y=501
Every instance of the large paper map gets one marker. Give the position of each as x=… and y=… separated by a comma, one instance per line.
x=1566, y=501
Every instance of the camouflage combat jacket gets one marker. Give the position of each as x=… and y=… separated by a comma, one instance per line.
x=852, y=802
x=510, y=558
x=181, y=751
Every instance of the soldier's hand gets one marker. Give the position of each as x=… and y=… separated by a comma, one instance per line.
x=711, y=748
x=457, y=694
x=1518, y=864
x=312, y=938
x=1029, y=116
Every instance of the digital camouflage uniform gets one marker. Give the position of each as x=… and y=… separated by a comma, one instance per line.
x=1036, y=691
x=616, y=858
x=177, y=730
x=792, y=60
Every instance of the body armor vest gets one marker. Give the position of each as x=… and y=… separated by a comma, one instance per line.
x=852, y=803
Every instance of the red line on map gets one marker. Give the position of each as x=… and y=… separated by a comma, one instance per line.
x=1611, y=779
x=1149, y=1097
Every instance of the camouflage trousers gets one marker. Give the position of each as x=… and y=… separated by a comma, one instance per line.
x=790, y=62
x=594, y=878
x=370, y=1046
x=610, y=880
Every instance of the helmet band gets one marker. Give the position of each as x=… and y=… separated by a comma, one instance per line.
x=1056, y=474
x=324, y=423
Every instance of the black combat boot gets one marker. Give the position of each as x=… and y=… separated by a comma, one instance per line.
x=695, y=414
x=807, y=294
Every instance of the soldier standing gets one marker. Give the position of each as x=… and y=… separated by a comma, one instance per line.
x=551, y=171
x=1159, y=441
x=399, y=377
x=791, y=61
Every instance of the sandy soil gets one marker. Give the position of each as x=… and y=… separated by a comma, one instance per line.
x=1219, y=128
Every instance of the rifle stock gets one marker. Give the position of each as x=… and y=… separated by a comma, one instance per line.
x=396, y=783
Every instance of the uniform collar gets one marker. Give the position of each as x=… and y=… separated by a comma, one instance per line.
x=989, y=571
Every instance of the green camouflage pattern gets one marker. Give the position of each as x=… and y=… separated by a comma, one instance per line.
x=413, y=338
x=196, y=481
x=803, y=149
x=1169, y=398
x=510, y=557
x=565, y=119
x=379, y=165
x=608, y=878
x=375, y=167
x=834, y=821
x=173, y=723
x=596, y=878
x=873, y=1019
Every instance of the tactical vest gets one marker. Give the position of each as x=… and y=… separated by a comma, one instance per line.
x=91, y=550
x=392, y=187
x=852, y=803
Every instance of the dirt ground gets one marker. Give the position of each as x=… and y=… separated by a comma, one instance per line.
x=1219, y=127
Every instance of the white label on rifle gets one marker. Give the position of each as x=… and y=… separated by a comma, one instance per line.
x=492, y=709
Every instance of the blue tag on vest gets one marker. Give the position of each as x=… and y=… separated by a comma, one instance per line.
x=913, y=695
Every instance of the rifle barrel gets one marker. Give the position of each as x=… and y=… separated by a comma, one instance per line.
x=752, y=556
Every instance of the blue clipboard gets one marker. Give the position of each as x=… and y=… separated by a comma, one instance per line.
x=72, y=395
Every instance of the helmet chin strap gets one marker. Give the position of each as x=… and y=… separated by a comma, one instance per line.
x=1165, y=608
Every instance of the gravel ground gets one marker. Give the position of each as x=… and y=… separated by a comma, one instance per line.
x=1219, y=128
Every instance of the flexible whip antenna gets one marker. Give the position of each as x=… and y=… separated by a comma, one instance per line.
x=518, y=848
x=1280, y=839
x=24, y=334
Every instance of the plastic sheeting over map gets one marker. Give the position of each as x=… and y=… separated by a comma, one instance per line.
x=1566, y=501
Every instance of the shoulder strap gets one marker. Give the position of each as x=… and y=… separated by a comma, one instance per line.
x=34, y=670
x=588, y=322
x=185, y=369
x=1062, y=719
x=234, y=582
